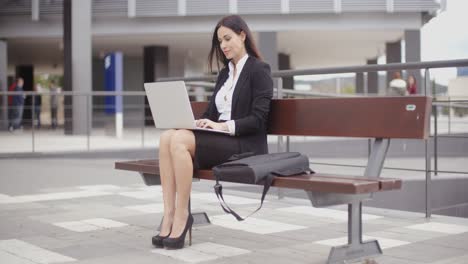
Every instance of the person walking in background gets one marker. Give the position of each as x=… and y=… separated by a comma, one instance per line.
x=412, y=88
x=397, y=86
x=54, y=93
x=37, y=105
x=17, y=106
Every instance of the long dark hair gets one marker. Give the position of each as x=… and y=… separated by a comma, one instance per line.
x=238, y=25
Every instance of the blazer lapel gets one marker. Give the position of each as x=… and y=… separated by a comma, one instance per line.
x=240, y=84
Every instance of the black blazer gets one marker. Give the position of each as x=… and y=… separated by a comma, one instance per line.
x=250, y=104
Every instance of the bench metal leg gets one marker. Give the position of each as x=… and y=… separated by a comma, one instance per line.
x=200, y=218
x=356, y=248
x=150, y=179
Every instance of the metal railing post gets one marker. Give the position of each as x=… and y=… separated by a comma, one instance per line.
x=450, y=116
x=33, y=112
x=88, y=122
x=143, y=125
x=427, y=154
x=434, y=109
x=279, y=95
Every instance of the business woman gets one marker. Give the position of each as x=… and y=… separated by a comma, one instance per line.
x=240, y=105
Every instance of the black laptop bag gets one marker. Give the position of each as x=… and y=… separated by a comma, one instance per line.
x=245, y=168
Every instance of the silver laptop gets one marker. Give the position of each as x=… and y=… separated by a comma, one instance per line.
x=170, y=106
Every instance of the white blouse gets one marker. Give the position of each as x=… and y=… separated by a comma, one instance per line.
x=223, y=98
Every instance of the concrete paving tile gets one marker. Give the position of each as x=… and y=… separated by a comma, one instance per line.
x=143, y=195
x=257, y=257
x=152, y=208
x=450, y=220
x=312, y=248
x=238, y=239
x=452, y=241
x=51, y=196
x=254, y=225
x=4, y=208
x=136, y=240
x=108, y=234
x=397, y=222
x=149, y=221
x=384, y=259
x=455, y=260
x=77, y=226
x=394, y=214
x=385, y=243
x=209, y=208
x=137, y=257
x=11, y=228
x=410, y=235
x=440, y=227
x=74, y=238
x=137, y=243
x=310, y=234
x=23, y=210
x=93, y=250
x=112, y=199
x=104, y=223
x=187, y=255
x=10, y=258
x=301, y=256
x=199, y=252
x=48, y=242
x=424, y=252
x=100, y=187
x=230, y=199
x=337, y=215
x=77, y=212
x=32, y=252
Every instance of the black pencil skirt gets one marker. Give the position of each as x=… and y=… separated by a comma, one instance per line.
x=213, y=148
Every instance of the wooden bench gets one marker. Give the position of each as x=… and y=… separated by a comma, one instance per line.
x=381, y=118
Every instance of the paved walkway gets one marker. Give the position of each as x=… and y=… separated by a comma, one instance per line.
x=56, y=209
x=82, y=211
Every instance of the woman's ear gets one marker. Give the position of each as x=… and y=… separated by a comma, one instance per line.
x=243, y=36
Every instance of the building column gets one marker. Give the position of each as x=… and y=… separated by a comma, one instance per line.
x=413, y=54
x=372, y=79
x=268, y=47
x=155, y=65
x=393, y=54
x=177, y=64
x=3, y=85
x=77, y=36
x=359, y=83
x=284, y=63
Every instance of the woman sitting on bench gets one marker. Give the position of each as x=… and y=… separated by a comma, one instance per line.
x=240, y=105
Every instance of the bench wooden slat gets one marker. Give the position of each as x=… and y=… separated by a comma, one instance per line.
x=311, y=182
x=374, y=117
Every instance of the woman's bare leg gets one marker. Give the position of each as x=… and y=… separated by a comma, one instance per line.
x=167, y=180
x=182, y=150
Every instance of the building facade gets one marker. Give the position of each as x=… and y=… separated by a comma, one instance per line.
x=161, y=38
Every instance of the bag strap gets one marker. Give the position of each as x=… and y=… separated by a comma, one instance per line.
x=218, y=188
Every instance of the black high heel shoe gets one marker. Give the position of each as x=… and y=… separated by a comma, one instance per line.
x=178, y=242
x=158, y=240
